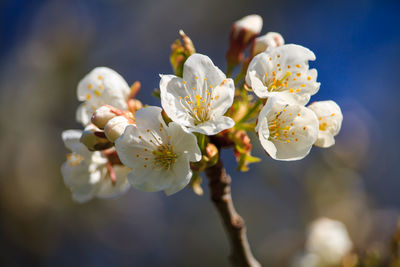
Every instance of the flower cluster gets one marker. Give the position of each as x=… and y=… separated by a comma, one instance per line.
x=286, y=128
x=203, y=111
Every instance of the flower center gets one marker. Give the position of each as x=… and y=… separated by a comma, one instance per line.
x=74, y=159
x=281, y=126
x=164, y=156
x=274, y=84
x=323, y=126
x=198, y=101
x=324, y=122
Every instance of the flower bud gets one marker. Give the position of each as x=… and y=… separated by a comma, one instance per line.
x=135, y=88
x=242, y=33
x=242, y=151
x=271, y=39
x=134, y=105
x=115, y=127
x=103, y=114
x=251, y=25
x=94, y=139
x=187, y=43
x=212, y=154
x=180, y=52
x=196, y=184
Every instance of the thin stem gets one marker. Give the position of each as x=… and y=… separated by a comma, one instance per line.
x=239, y=77
x=201, y=141
x=250, y=112
x=229, y=70
x=219, y=183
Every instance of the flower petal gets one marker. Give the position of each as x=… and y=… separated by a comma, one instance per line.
x=133, y=148
x=83, y=114
x=324, y=140
x=294, y=129
x=173, y=91
x=184, y=142
x=222, y=95
x=255, y=83
x=149, y=117
x=330, y=121
x=148, y=179
x=77, y=178
x=102, y=86
x=180, y=175
x=197, y=67
x=331, y=111
x=71, y=140
x=107, y=189
x=213, y=126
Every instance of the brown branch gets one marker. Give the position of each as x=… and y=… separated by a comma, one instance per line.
x=219, y=183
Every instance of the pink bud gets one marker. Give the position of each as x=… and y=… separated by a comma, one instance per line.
x=243, y=32
x=271, y=39
x=250, y=25
x=94, y=138
x=115, y=127
x=103, y=114
x=134, y=105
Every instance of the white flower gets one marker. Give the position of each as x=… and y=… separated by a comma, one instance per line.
x=283, y=70
x=286, y=130
x=330, y=121
x=201, y=98
x=329, y=241
x=89, y=174
x=159, y=155
x=269, y=40
x=102, y=86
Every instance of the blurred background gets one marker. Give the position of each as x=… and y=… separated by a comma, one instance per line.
x=46, y=47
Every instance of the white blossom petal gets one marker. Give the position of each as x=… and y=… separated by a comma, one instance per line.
x=214, y=125
x=283, y=70
x=201, y=66
x=159, y=155
x=71, y=140
x=83, y=113
x=147, y=180
x=85, y=172
x=102, y=86
x=330, y=121
x=286, y=131
x=182, y=170
x=78, y=177
x=222, y=96
x=185, y=142
x=202, y=96
x=269, y=40
x=108, y=189
x=133, y=147
x=173, y=90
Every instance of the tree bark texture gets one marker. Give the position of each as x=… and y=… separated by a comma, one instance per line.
x=235, y=228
